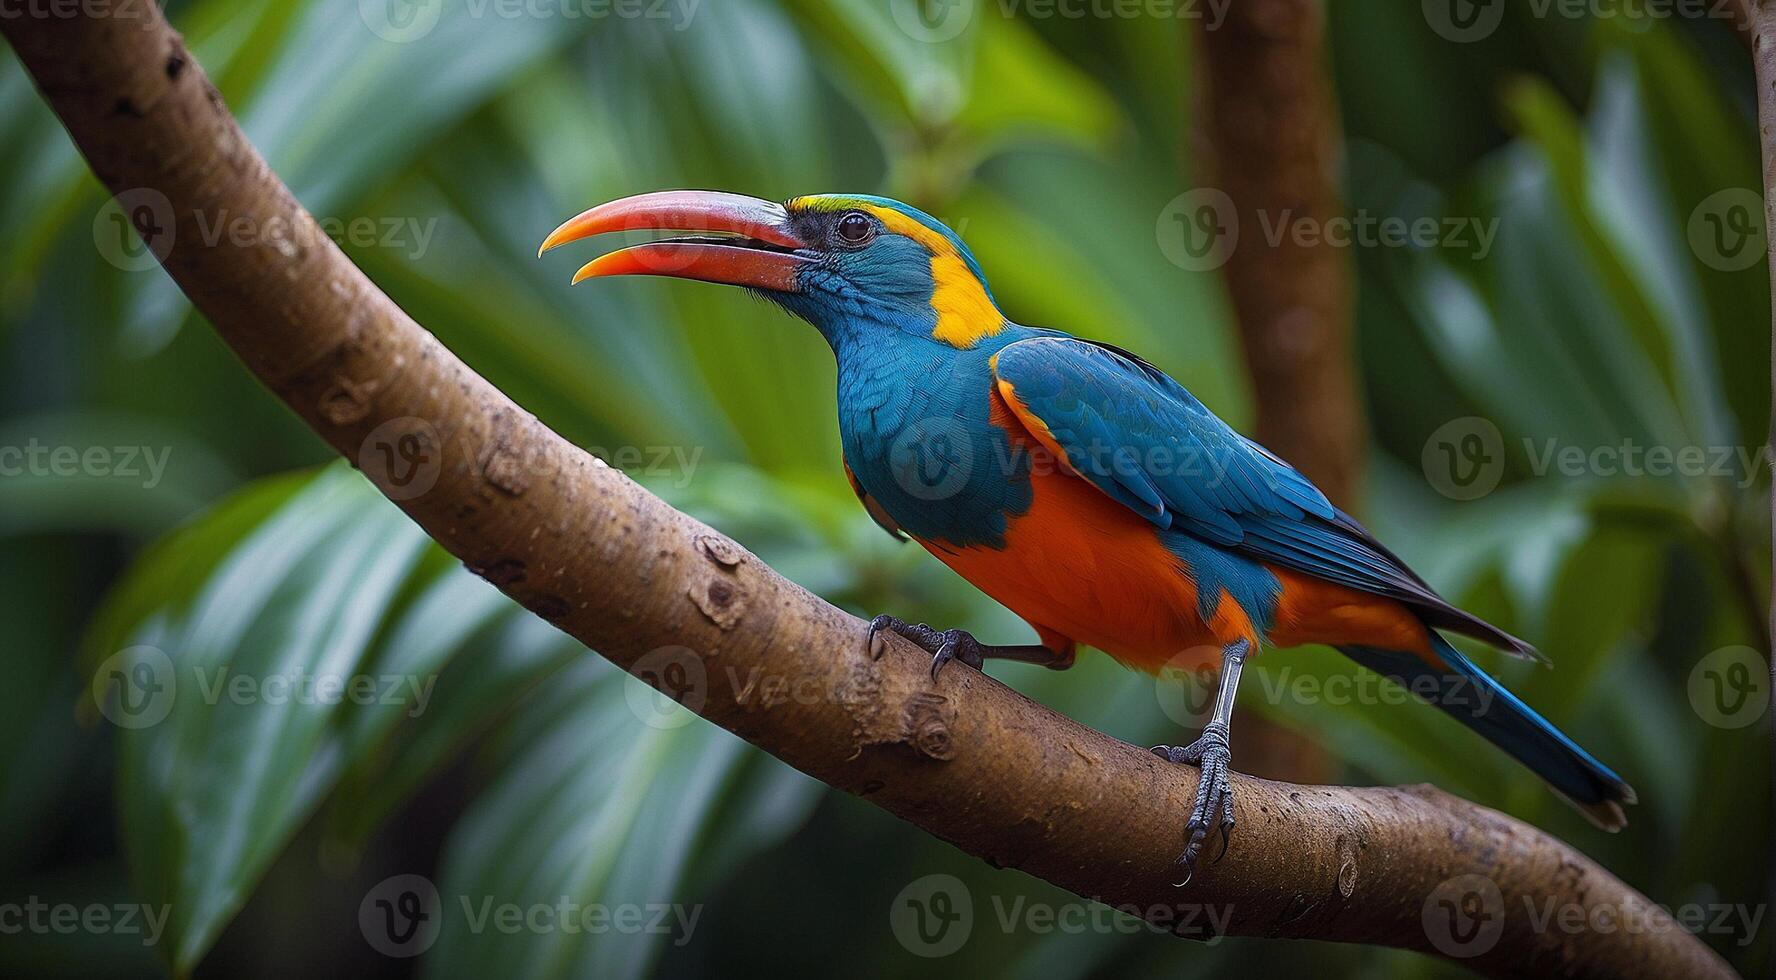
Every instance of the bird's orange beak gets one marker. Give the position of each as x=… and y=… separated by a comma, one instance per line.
x=744, y=241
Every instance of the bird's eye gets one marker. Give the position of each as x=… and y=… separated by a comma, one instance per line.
x=855, y=228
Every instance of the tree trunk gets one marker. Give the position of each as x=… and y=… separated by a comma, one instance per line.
x=1270, y=135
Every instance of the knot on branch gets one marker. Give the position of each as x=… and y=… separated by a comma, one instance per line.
x=502, y=465
x=929, y=716
x=719, y=595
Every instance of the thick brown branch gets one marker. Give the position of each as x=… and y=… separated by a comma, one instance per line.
x=967, y=759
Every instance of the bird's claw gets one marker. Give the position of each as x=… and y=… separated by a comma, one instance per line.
x=943, y=645
x=872, y=645
x=957, y=645
x=1214, y=794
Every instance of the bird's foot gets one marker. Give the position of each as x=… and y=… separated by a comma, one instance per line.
x=1214, y=794
x=943, y=645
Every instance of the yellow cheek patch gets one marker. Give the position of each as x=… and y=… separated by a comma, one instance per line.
x=965, y=313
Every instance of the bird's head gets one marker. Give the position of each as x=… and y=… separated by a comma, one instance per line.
x=850, y=264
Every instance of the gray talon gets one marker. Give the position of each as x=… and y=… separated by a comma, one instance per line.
x=957, y=645
x=1213, y=808
x=943, y=645
x=947, y=645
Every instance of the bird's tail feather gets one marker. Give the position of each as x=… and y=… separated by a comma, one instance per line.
x=1467, y=694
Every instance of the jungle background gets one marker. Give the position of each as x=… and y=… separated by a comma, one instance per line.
x=1614, y=311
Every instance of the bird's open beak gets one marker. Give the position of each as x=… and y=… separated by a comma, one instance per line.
x=745, y=241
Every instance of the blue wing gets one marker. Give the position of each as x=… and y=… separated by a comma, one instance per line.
x=1140, y=437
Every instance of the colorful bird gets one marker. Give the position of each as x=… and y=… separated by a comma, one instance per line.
x=1079, y=485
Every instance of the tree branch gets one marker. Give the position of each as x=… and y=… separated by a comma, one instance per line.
x=966, y=758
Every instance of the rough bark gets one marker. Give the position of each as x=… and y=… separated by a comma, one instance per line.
x=1271, y=135
x=964, y=758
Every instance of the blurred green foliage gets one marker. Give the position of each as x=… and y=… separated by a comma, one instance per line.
x=534, y=772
